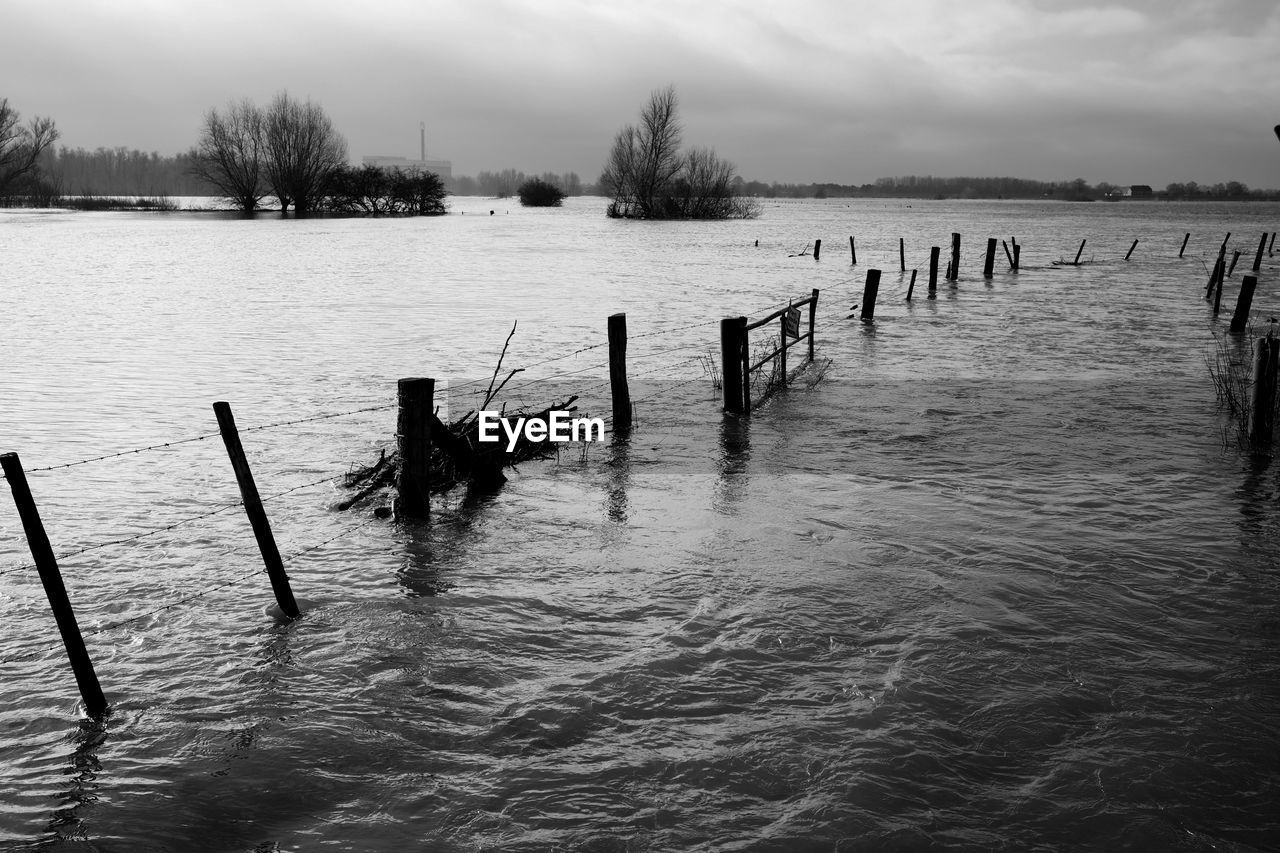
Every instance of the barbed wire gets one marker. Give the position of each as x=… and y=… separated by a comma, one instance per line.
x=122, y=453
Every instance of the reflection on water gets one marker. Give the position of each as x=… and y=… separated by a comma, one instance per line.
x=995, y=583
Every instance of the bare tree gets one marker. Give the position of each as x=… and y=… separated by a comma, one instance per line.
x=302, y=150
x=229, y=154
x=649, y=178
x=21, y=147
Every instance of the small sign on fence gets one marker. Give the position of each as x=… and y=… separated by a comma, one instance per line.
x=791, y=322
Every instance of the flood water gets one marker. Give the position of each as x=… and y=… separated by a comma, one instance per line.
x=996, y=577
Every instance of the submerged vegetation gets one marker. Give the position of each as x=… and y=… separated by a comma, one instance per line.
x=539, y=193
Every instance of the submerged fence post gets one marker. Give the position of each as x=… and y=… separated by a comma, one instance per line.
x=1264, y=392
x=47, y=565
x=953, y=271
x=1244, y=301
x=1017, y=256
x=1262, y=246
x=1271, y=247
x=869, y=291
x=1080, y=252
x=732, y=330
x=1007, y=253
x=1131, y=248
x=933, y=270
x=618, y=389
x=989, y=265
x=1184, y=244
x=817, y=249
x=912, y=286
x=902, y=254
x=853, y=252
x=416, y=398
x=253, y=508
x=1215, y=277
x=1235, y=257
x=782, y=346
x=813, y=311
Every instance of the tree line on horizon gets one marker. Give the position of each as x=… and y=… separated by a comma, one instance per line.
x=35, y=171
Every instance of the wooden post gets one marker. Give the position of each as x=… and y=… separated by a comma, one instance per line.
x=912, y=286
x=1225, y=240
x=1244, y=301
x=853, y=252
x=989, y=265
x=47, y=565
x=1007, y=253
x=731, y=329
x=1217, y=298
x=953, y=271
x=813, y=312
x=618, y=373
x=1235, y=257
x=902, y=254
x=1271, y=247
x=253, y=508
x=1131, y=248
x=1264, y=392
x=416, y=397
x=1017, y=257
x=1184, y=244
x=933, y=269
x=782, y=346
x=1257, y=259
x=817, y=249
x=1079, y=252
x=869, y=291
x=744, y=348
x=1215, y=277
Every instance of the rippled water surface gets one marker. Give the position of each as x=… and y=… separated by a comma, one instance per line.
x=996, y=578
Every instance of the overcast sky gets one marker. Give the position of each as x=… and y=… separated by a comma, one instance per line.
x=1137, y=91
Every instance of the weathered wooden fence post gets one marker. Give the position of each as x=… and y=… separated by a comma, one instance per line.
x=1217, y=298
x=1271, y=247
x=618, y=389
x=934, y=252
x=912, y=286
x=1184, y=244
x=813, y=312
x=253, y=508
x=989, y=265
x=1257, y=259
x=817, y=249
x=1234, y=258
x=1131, y=248
x=1080, y=252
x=1215, y=278
x=953, y=271
x=47, y=565
x=732, y=330
x=902, y=254
x=1017, y=256
x=782, y=346
x=1264, y=392
x=1244, y=301
x=416, y=398
x=1007, y=253
x=853, y=251
x=869, y=291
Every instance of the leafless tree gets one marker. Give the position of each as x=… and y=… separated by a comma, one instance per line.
x=302, y=150
x=21, y=147
x=229, y=154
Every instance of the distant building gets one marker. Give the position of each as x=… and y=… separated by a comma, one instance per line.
x=1139, y=191
x=443, y=168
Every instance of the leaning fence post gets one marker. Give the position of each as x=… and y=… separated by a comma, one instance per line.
x=1244, y=301
x=1007, y=253
x=933, y=270
x=813, y=310
x=253, y=508
x=853, y=251
x=619, y=391
x=989, y=265
x=1184, y=244
x=1017, y=257
x=1131, y=248
x=47, y=565
x=731, y=362
x=1264, y=392
x=912, y=286
x=869, y=291
x=1262, y=246
x=953, y=272
x=416, y=398
x=1080, y=252
x=1235, y=257
x=817, y=249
